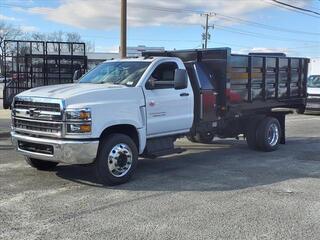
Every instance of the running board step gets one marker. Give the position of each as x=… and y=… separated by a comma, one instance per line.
x=157, y=147
x=164, y=153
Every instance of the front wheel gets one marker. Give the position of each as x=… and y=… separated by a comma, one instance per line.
x=117, y=159
x=40, y=164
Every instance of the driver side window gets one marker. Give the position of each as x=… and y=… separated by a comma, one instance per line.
x=163, y=76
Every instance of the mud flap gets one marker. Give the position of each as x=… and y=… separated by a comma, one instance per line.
x=282, y=121
x=281, y=116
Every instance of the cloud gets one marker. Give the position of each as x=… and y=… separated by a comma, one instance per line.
x=6, y=18
x=264, y=50
x=98, y=14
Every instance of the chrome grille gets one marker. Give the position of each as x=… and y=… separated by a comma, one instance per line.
x=38, y=127
x=40, y=106
x=38, y=116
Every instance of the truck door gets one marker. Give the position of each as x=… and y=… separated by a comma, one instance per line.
x=168, y=110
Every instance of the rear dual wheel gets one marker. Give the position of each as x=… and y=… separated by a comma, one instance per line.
x=264, y=134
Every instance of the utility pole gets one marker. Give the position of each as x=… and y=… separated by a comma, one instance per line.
x=206, y=35
x=123, y=36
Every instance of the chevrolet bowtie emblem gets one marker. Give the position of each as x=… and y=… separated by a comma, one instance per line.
x=31, y=111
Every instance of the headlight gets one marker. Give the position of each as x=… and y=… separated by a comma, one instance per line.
x=78, y=121
x=78, y=114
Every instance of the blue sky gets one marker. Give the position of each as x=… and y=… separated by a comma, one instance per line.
x=240, y=24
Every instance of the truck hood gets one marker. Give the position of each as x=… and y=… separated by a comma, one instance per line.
x=87, y=94
x=65, y=91
x=314, y=91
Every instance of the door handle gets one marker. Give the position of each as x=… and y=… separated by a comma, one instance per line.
x=184, y=94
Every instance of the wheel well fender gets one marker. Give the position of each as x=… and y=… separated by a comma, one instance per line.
x=126, y=129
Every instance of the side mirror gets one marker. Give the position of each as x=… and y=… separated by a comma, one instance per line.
x=180, y=79
x=76, y=75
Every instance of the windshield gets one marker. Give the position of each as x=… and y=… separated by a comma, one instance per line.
x=119, y=73
x=314, y=81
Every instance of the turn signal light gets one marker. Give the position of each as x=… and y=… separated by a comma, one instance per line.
x=85, y=128
x=76, y=128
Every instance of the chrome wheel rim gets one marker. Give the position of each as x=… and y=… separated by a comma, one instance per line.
x=120, y=160
x=273, y=135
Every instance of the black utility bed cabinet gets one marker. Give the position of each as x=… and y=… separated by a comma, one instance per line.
x=231, y=90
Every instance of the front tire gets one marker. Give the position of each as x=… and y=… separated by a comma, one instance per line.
x=40, y=164
x=117, y=160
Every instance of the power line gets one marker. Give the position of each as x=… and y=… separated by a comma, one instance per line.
x=226, y=17
x=260, y=35
x=222, y=16
x=290, y=9
x=229, y=18
x=265, y=26
x=295, y=7
x=164, y=40
x=310, y=4
x=191, y=41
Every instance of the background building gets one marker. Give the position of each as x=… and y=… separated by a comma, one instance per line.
x=314, y=67
x=137, y=51
x=95, y=58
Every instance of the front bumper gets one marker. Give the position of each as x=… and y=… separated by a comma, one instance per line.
x=62, y=151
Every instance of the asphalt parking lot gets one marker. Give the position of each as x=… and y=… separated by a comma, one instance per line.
x=218, y=191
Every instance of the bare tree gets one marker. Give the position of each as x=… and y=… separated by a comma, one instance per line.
x=90, y=46
x=8, y=31
x=60, y=36
x=38, y=36
x=73, y=37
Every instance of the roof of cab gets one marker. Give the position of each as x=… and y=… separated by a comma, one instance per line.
x=140, y=59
